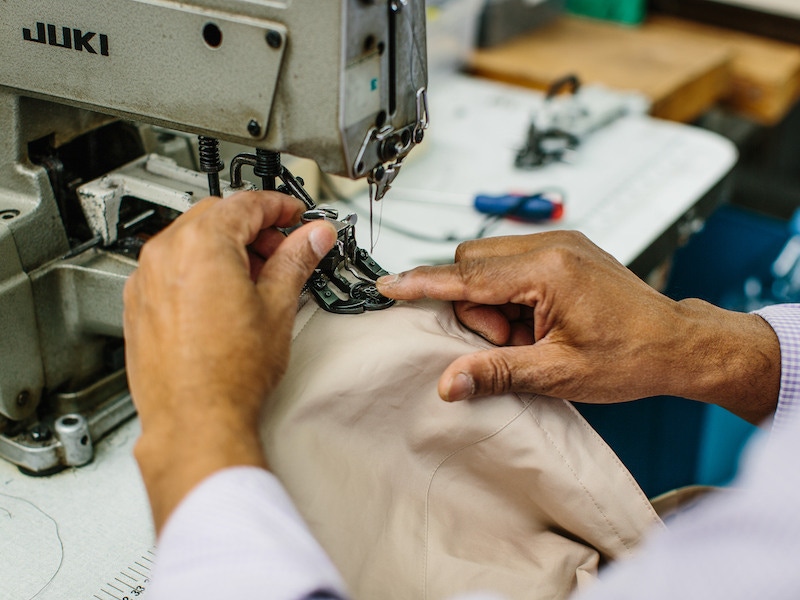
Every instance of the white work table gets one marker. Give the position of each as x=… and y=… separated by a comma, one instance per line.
x=633, y=187
x=83, y=534
x=86, y=533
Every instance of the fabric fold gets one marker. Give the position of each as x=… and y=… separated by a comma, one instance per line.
x=413, y=497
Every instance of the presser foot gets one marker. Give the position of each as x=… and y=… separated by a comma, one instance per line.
x=344, y=281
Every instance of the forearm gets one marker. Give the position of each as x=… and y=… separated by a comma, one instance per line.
x=726, y=358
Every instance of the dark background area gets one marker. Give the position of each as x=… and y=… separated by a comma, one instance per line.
x=735, y=17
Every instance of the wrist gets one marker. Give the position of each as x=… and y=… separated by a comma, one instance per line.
x=172, y=462
x=726, y=358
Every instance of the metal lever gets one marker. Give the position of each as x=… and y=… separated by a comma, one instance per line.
x=381, y=177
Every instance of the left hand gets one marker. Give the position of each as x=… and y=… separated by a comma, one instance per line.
x=208, y=320
x=572, y=322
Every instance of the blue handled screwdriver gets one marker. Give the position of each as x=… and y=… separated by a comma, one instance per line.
x=543, y=206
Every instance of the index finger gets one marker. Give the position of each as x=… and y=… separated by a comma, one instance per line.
x=497, y=246
x=512, y=245
x=244, y=215
x=493, y=280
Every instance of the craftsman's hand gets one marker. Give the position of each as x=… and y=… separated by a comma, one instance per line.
x=574, y=323
x=208, y=321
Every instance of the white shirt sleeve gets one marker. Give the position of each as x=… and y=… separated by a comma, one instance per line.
x=238, y=535
x=740, y=545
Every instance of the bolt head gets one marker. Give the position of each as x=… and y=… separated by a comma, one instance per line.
x=254, y=128
x=23, y=398
x=40, y=433
x=274, y=39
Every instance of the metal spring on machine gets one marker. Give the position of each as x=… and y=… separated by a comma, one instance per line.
x=210, y=162
x=267, y=167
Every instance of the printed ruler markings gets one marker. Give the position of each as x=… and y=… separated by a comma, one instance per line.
x=139, y=578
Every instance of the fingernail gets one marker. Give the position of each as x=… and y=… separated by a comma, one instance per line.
x=320, y=241
x=388, y=280
x=461, y=387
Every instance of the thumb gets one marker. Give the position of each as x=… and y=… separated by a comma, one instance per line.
x=534, y=369
x=291, y=264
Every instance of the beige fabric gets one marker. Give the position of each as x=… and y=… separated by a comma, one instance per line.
x=416, y=498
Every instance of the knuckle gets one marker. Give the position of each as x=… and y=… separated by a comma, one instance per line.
x=578, y=237
x=299, y=264
x=565, y=236
x=207, y=202
x=128, y=293
x=464, y=250
x=473, y=272
x=146, y=254
x=192, y=236
x=497, y=375
x=562, y=258
x=246, y=196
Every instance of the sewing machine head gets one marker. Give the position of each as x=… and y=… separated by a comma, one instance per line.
x=341, y=82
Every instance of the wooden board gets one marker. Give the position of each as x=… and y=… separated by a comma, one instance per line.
x=681, y=77
x=683, y=67
x=765, y=74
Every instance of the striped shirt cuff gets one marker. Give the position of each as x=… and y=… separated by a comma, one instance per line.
x=785, y=321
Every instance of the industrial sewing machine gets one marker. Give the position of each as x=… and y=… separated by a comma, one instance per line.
x=342, y=82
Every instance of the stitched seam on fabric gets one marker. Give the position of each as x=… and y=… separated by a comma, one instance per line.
x=613, y=456
x=436, y=469
x=314, y=313
x=580, y=481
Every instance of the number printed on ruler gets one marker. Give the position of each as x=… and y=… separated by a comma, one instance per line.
x=131, y=582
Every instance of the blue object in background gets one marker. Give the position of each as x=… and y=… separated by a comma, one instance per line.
x=671, y=442
x=544, y=206
x=722, y=439
x=735, y=246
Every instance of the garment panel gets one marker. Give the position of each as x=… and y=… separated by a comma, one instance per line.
x=413, y=497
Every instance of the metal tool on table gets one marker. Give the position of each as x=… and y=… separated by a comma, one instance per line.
x=569, y=113
x=82, y=82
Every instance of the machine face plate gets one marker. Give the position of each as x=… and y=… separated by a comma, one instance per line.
x=169, y=63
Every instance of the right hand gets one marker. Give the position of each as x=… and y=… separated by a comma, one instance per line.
x=208, y=326
x=572, y=322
